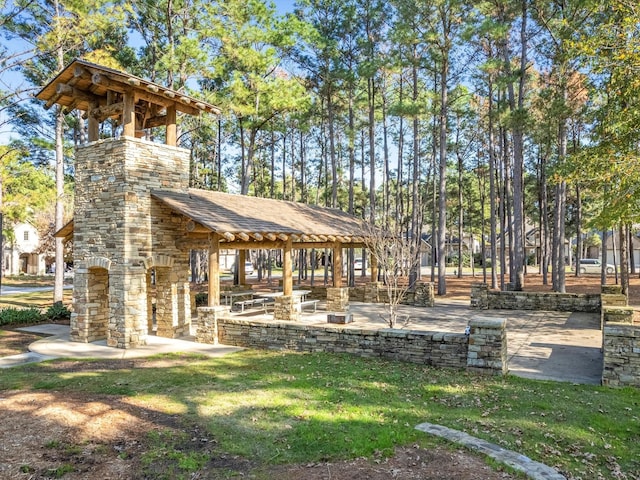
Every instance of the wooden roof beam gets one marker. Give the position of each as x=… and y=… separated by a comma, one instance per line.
x=257, y=236
x=282, y=236
x=152, y=96
x=195, y=227
x=228, y=236
x=270, y=236
x=107, y=111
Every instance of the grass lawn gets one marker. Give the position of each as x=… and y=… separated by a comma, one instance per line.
x=32, y=299
x=279, y=407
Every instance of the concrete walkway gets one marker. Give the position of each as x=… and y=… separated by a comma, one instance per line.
x=58, y=345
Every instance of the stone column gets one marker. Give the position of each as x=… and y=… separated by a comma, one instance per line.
x=487, y=351
x=207, y=323
x=480, y=296
x=337, y=299
x=621, y=360
x=287, y=308
x=611, y=289
x=184, y=309
x=424, y=295
x=127, y=307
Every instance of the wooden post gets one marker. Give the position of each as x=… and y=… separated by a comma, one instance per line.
x=172, y=127
x=374, y=268
x=128, y=115
x=242, y=273
x=287, y=274
x=337, y=265
x=214, y=270
x=94, y=125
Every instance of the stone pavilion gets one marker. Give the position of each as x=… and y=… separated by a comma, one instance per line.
x=136, y=219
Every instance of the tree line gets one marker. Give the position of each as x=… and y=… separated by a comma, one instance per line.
x=448, y=119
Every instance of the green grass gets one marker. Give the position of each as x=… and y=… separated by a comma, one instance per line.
x=287, y=407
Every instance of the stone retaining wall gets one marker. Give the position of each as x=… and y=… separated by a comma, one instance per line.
x=484, y=350
x=483, y=298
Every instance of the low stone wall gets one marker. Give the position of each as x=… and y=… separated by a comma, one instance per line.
x=483, y=350
x=621, y=347
x=483, y=298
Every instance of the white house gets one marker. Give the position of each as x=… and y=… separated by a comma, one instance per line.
x=20, y=255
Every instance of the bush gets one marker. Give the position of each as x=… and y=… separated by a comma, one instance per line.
x=11, y=316
x=202, y=299
x=58, y=311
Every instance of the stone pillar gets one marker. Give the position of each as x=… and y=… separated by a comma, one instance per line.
x=127, y=307
x=480, y=295
x=337, y=299
x=184, y=309
x=611, y=289
x=149, y=303
x=372, y=292
x=424, y=295
x=616, y=314
x=207, y=323
x=287, y=308
x=487, y=351
x=621, y=363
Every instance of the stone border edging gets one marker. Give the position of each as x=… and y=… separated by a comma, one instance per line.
x=532, y=469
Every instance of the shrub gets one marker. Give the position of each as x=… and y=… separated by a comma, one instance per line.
x=202, y=299
x=58, y=311
x=10, y=316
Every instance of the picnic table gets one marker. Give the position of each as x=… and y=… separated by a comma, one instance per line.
x=229, y=296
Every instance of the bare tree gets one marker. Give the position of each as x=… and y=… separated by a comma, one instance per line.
x=396, y=256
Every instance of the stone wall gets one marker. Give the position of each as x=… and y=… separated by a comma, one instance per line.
x=483, y=298
x=621, y=365
x=451, y=350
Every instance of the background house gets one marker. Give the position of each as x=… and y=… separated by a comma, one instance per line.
x=20, y=253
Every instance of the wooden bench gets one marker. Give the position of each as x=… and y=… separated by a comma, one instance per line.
x=308, y=303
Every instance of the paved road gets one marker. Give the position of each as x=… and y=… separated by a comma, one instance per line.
x=8, y=290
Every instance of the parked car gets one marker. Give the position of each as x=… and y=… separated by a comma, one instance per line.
x=357, y=264
x=248, y=268
x=593, y=265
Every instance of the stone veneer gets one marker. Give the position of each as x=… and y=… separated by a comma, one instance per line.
x=120, y=233
x=484, y=350
x=337, y=299
x=287, y=308
x=621, y=348
x=483, y=298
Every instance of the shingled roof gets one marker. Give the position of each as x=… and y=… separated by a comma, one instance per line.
x=239, y=217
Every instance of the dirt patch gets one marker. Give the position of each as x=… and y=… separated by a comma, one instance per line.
x=53, y=435
x=14, y=342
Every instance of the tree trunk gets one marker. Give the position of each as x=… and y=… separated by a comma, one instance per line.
x=442, y=186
